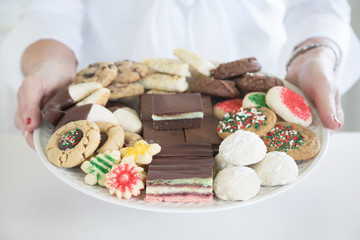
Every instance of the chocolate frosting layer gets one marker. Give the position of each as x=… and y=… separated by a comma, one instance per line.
x=185, y=149
x=165, y=136
x=165, y=104
x=70, y=139
x=74, y=114
x=159, y=172
x=185, y=161
x=55, y=107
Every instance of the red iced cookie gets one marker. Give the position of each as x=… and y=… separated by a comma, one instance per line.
x=221, y=108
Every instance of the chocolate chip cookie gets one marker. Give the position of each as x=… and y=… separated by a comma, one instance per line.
x=123, y=90
x=129, y=71
x=102, y=72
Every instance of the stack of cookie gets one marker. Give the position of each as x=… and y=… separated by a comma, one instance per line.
x=167, y=75
x=120, y=78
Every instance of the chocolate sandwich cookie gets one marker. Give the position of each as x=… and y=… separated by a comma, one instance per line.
x=166, y=136
x=102, y=72
x=257, y=82
x=71, y=144
x=216, y=88
x=237, y=68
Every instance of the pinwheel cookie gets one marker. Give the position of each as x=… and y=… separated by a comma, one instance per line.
x=125, y=180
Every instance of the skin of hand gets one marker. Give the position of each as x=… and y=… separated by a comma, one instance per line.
x=48, y=65
x=313, y=72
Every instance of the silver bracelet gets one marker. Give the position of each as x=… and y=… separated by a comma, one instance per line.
x=308, y=47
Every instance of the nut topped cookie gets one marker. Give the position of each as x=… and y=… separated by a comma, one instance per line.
x=102, y=72
x=297, y=141
x=129, y=71
x=256, y=120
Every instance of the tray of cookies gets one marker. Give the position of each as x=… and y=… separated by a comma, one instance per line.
x=180, y=135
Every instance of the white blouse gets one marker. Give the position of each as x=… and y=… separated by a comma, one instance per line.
x=219, y=30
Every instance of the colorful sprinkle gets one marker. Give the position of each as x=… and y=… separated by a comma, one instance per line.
x=242, y=118
x=70, y=139
x=284, y=138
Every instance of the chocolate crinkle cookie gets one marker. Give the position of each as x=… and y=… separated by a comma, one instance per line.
x=257, y=82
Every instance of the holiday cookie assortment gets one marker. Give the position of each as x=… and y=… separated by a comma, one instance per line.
x=225, y=135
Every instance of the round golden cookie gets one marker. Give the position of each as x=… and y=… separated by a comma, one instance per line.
x=131, y=139
x=102, y=72
x=259, y=120
x=297, y=141
x=130, y=71
x=111, y=137
x=124, y=90
x=71, y=144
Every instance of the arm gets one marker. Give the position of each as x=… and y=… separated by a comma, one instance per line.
x=326, y=22
x=48, y=65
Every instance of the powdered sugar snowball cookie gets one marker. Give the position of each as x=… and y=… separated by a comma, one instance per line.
x=125, y=180
x=277, y=168
x=236, y=183
x=242, y=148
x=220, y=163
x=289, y=105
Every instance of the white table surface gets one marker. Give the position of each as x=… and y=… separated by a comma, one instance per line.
x=34, y=204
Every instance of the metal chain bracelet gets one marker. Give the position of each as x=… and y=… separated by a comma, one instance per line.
x=308, y=47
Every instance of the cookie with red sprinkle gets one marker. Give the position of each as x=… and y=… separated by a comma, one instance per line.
x=230, y=105
x=258, y=120
x=297, y=141
x=289, y=105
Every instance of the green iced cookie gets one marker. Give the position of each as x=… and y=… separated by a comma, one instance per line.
x=255, y=99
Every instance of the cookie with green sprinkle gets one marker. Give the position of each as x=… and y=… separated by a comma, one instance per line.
x=255, y=99
x=297, y=141
x=259, y=120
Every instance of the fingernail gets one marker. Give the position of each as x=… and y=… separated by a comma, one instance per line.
x=337, y=121
x=28, y=121
x=26, y=133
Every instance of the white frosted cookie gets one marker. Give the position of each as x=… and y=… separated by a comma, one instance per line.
x=201, y=64
x=277, y=168
x=236, y=183
x=100, y=96
x=164, y=82
x=220, y=163
x=128, y=119
x=289, y=105
x=82, y=90
x=168, y=66
x=242, y=148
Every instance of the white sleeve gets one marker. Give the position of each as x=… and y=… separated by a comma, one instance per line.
x=60, y=20
x=324, y=18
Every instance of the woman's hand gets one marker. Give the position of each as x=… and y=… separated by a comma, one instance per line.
x=48, y=65
x=313, y=72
